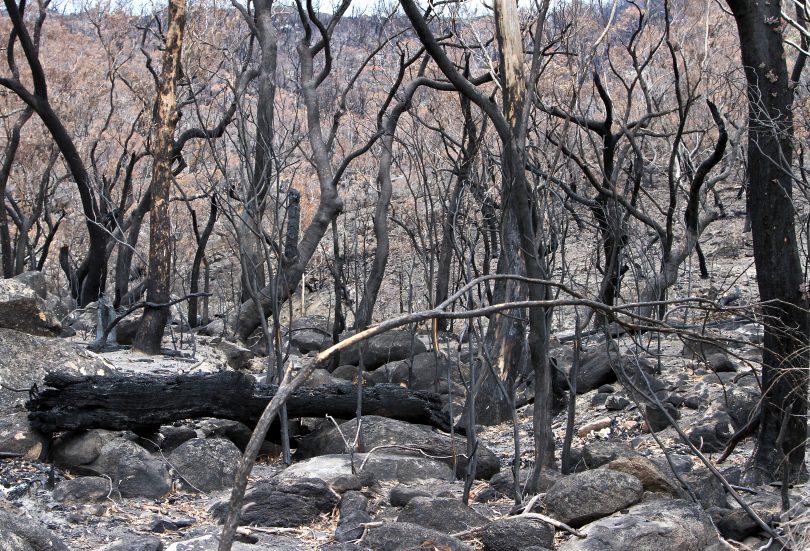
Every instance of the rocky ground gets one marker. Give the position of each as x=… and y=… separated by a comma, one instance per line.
x=121, y=491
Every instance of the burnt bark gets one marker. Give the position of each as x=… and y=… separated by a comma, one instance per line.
x=93, y=272
x=153, y=322
x=199, y=256
x=142, y=402
x=776, y=254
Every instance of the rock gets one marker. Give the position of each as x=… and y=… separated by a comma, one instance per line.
x=401, y=495
x=584, y=497
x=320, y=377
x=160, y=523
x=740, y=402
x=402, y=536
x=168, y=438
x=343, y=546
x=136, y=543
x=310, y=334
x=720, y=363
x=346, y=373
x=701, y=349
x=652, y=478
x=236, y=355
x=444, y=514
x=17, y=436
x=352, y=515
x=84, y=319
x=126, y=329
x=657, y=420
x=34, y=280
x=616, y=402
x=77, y=448
x=735, y=524
x=25, y=359
x=708, y=490
x=606, y=389
x=387, y=347
x=662, y=525
x=380, y=431
x=206, y=464
x=209, y=542
x=283, y=503
x=599, y=399
x=516, y=534
x=21, y=309
x=351, y=482
x=86, y=489
x=597, y=453
x=595, y=425
x=132, y=469
x=596, y=367
x=504, y=481
x=681, y=464
x=711, y=432
x=427, y=372
x=21, y=533
x=380, y=466
x=236, y=432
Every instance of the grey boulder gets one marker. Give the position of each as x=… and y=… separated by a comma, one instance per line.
x=516, y=534
x=583, y=497
x=664, y=525
x=132, y=469
x=284, y=503
x=444, y=514
x=403, y=536
x=22, y=309
x=387, y=347
x=21, y=533
x=206, y=464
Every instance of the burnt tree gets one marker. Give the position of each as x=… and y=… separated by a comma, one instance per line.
x=776, y=253
x=153, y=322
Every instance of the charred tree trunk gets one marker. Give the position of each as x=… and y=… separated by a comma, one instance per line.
x=142, y=403
x=5, y=171
x=199, y=255
x=776, y=254
x=91, y=276
x=153, y=322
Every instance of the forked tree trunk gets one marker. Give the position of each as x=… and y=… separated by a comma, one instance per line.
x=153, y=322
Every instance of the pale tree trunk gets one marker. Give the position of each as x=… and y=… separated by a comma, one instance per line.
x=153, y=322
x=255, y=200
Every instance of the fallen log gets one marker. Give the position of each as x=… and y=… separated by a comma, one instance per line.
x=141, y=403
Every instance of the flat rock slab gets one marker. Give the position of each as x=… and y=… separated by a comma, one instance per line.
x=444, y=514
x=86, y=489
x=402, y=536
x=21, y=533
x=404, y=439
x=381, y=466
x=26, y=359
x=664, y=525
